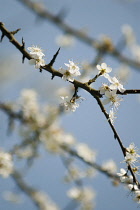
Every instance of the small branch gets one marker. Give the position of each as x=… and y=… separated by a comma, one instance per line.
x=93, y=80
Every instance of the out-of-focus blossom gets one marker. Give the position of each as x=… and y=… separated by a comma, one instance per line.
x=65, y=40
x=6, y=164
x=85, y=152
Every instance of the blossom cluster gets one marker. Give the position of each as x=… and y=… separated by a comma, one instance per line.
x=110, y=90
x=71, y=71
x=37, y=56
x=130, y=158
x=71, y=104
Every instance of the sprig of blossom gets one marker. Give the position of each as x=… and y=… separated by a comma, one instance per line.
x=65, y=40
x=71, y=104
x=71, y=72
x=37, y=56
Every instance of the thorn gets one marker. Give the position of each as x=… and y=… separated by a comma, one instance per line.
x=52, y=76
x=2, y=36
x=23, y=58
x=62, y=13
x=54, y=57
x=23, y=43
x=14, y=32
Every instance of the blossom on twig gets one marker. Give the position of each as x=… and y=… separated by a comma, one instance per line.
x=104, y=70
x=37, y=56
x=71, y=72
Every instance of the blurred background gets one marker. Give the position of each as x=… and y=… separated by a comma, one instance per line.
x=87, y=124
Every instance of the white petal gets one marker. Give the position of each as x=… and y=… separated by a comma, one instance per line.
x=98, y=67
x=103, y=66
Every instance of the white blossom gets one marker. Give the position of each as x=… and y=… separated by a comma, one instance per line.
x=36, y=52
x=130, y=158
x=71, y=72
x=128, y=34
x=132, y=150
x=83, y=195
x=37, y=62
x=37, y=57
x=133, y=187
x=111, y=97
x=123, y=175
x=54, y=138
x=116, y=84
x=104, y=88
x=122, y=172
x=110, y=166
x=85, y=152
x=104, y=70
x=65, y=40
x=28, y=103
x=66, y=75
x=6, y=164
x=70, y=105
